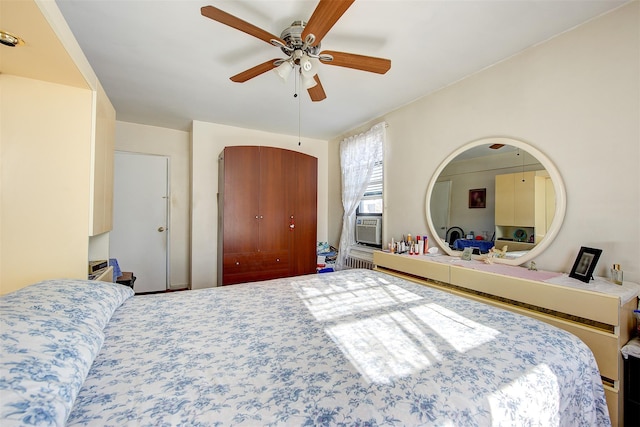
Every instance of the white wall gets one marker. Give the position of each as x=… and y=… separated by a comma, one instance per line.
x=208, y=141
x=576, y=98
x=175, y=145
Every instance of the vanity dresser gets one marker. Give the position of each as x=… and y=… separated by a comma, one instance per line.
x=602, y=318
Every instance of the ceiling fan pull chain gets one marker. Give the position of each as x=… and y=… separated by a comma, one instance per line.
x=299, y=108
x=295, y=85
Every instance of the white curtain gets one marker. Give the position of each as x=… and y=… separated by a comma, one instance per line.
x=358, y=155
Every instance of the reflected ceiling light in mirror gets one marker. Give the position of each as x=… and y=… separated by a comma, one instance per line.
x=508, y=143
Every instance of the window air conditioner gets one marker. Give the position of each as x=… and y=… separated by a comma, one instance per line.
x=369, y=230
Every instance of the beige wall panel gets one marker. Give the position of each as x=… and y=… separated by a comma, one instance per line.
x=44, y=219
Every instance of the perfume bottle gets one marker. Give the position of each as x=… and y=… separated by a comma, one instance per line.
x=616, y=274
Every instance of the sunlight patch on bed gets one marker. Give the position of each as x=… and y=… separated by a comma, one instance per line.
x=385, y=347
x=327, y=303
x=526, y=388
x=461, y=333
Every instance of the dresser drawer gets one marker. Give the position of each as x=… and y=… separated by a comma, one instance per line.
x=251, y=267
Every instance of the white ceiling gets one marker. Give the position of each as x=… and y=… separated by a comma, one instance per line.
x=164, y=64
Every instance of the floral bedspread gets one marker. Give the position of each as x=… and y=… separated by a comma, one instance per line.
x=355, y=347
x=50, y=333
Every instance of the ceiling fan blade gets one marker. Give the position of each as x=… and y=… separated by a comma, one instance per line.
x=237, y=23
x=358, y=62
x=317, y=92
x=324, y=16
x=254, y=71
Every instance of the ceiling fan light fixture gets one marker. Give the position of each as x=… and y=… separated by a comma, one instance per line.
x=308, y=66
x=283, y=70
x=301, y=44
x=308, y=81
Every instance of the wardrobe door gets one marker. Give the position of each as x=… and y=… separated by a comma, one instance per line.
x=240, y=214
x=303, y=213
x=273, y=234
x=241, y=209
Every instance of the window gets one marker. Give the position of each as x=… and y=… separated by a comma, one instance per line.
x=371, y=202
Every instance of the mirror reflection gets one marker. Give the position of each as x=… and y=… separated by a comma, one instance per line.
x=496, y=192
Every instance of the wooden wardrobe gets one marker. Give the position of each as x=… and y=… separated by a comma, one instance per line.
x=267, y=214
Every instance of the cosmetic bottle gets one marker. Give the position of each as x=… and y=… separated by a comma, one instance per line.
x=616, y=274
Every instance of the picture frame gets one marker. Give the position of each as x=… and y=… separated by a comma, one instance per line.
x=585, y=263
x=478, y=198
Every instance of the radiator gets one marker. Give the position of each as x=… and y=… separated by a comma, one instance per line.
x=353, y=262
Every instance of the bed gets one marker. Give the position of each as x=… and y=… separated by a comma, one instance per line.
x=354, y=347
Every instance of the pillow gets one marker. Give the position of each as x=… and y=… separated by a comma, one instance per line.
x=51, y=333
x=80, y=301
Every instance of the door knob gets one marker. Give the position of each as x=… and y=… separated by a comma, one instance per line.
x=160, y=229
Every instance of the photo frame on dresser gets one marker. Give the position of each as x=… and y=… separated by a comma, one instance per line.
x=585, y=263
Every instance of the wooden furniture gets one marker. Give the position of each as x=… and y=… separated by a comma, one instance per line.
x=102, y=147
x=524, y=200
x=267, y=221
x=632, y=391
x=515, y=199
x=127, y=278
x=106, y=275
x=599, y=319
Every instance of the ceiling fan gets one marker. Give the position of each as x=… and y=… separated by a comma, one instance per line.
x=301, y=43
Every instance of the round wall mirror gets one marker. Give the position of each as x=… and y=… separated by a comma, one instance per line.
x=498, y=192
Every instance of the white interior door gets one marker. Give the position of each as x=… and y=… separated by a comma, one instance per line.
x=440, y=200
x=140, y=236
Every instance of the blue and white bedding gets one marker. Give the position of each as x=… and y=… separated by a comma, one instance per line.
x=354, y=347
x=50, y=333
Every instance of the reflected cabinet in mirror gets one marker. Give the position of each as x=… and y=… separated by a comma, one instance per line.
x=496, y=192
